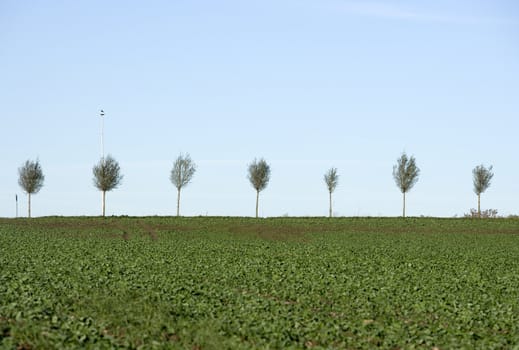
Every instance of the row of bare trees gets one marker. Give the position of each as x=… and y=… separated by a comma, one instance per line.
x=406, y=173
x=107, y=176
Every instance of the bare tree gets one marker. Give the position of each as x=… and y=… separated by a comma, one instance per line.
x=30, y=179
x=107, y=176
x=259, y=176
x=331, y=178
x=481, y=178
x=181, y=174
x=405, y=173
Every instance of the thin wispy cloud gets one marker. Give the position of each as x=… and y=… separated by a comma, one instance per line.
x=387, y=10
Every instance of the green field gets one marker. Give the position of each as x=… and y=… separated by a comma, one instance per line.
x=239, y=283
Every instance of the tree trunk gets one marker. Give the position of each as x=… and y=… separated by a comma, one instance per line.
x=103, y=204
x=29, y=204
x=330, y=203
x=403, y=210
x=257, y=201
x=178, y=202
x=479, y=205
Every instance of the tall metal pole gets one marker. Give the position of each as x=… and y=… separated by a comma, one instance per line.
x=102, y=114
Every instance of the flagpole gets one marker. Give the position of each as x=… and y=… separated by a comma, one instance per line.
x=102, y=114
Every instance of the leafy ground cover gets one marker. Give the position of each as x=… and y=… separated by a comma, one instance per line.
x=238, y=283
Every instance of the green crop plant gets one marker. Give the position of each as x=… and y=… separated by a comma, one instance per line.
x=236, y=283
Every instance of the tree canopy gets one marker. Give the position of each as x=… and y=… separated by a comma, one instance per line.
x=183, y=170
x=259, y=174
x=107, y=174
x=481, y=178
x=331, y=178
x=31, y=177
x=405, y=172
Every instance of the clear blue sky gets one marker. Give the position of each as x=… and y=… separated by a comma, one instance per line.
x=306, y=84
